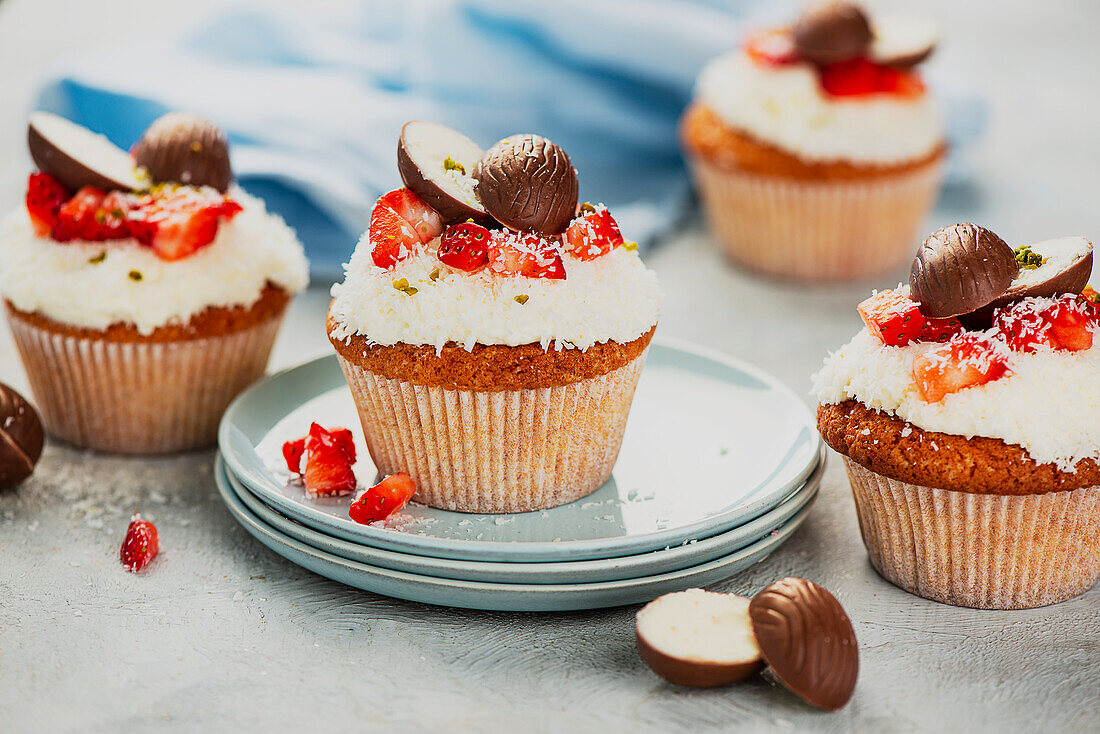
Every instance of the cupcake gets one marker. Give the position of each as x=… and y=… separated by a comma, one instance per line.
x=143, y=292
x=816, y=149
x=491, y=330
x=966, y=413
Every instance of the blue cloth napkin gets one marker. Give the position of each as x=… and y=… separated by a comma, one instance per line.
x=313, y=96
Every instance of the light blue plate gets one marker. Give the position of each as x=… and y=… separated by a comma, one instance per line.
x=711, y=444
x=562, y=572
x=500, y=597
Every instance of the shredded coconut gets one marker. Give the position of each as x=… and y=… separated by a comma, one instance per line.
x=1049, y=404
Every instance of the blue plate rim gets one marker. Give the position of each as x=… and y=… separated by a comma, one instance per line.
x=472, y=549
x=637, y=564
x=516, y=597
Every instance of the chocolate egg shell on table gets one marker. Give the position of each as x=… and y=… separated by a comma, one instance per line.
x=698, y=639
x=21, y=437
x=528, y=183
x=704, y=639
x=77, y=157
x=437, y=163
x=180, y=147
x=808, y=641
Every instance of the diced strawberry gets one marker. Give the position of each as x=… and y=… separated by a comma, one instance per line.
x=896, y=320
x=1065, y=323
x=592, y=234
x=293, y=451
x=465, y=246
x=328, y=462
x=177, y=222
x=113, y=215
x=860, y=76
x=392, y=239
x=772, y=48
x=77, y=217
x=141, y=545
x=45, y=197
x=966, y=360
x=344, y=440
x=425, y=221
x=512, y=253
x=383, y=499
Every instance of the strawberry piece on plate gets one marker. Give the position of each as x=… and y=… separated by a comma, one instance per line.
x=141, y=545
x=425, y=221
x=392, y=239
x=593, y=233
x=465, y=246
x=1065, y=323
x=328, y=469
x=383, y=499
x=895, y=320
x=293, y=451
x=177, y=222
x=512, y=253
x=345, y=441
x=966, y=360
x=45, y=197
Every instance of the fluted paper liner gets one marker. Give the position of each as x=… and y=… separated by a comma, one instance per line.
x=507, y=451
x=817, y=230
x=140, y=397
x=979, y=550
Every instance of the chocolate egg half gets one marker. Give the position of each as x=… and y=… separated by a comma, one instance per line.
x=183, y=148
x=832, y=31
x=959, y=269
x=21, y=437
x=808, y=640
x=528, y=183
x=78, y=157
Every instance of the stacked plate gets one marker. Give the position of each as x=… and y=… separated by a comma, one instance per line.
x=719, y=466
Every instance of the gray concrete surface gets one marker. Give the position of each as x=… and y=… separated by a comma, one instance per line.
x=221, y=634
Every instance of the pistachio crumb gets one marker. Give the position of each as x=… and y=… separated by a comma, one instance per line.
x=411, y=291
x=1026, y=259
x=400, y=284
x=630, y=245
x=135, y=275
x=434, y=275
x=522, y=298
x=450, y=164
x=96, y=260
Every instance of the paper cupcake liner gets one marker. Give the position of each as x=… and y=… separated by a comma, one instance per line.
x=507, y=451
x=979, y=550
x=139, y=397
x=817, y=230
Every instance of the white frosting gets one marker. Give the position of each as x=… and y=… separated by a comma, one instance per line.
x=61, y=281
x=786, y=107
x=613, y=297
x=1049, y=404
